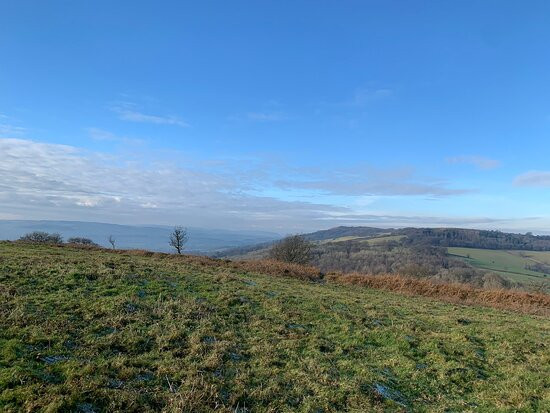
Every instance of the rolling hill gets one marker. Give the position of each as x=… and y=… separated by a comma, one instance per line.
x=439, y=237
x=346, y=232
x=90, y=330
x=444, y=254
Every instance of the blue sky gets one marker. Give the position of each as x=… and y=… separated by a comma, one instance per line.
x=288, y=116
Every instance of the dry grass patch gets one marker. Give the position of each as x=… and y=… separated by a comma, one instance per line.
x=530, y=303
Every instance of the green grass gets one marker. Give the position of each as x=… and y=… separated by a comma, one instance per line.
x=97, y=331
x=538, y=256
x=341, y=239
x=371, y=241
x=510, y=264
x=387, y=238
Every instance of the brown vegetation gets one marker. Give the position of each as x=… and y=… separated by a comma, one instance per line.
x=532, y=303
x=279, y=268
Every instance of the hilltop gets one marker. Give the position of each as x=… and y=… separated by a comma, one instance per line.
x=93, y=330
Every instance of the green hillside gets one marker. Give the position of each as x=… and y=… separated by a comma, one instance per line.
x=97, y=331
x=510, y=264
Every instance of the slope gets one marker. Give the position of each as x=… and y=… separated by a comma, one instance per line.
x=514, y=265
x=93, y=330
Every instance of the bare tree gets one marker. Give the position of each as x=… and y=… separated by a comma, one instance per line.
x=295, y=249
x=178, y=239
x=112, y=241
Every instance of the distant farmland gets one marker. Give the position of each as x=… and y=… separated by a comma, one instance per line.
x=369, y=240
x=510, y=264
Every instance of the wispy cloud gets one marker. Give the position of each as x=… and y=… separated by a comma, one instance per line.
x=51, y=181
x=369, y=181
x=368, y=188
x=129, y=112
x=363, y=96
x=427, y=220
x=351, y=109
x=539, y=179
x=7, y=130
x=266, y=116
x=260, y=116
x=478, y=161
x=103, y=135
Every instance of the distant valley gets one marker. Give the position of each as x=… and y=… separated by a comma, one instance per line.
x=152, y=237
x=490, y=259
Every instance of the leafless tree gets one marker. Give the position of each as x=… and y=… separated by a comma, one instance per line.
x=178, y=239
x=295, y=249
x=112, y=241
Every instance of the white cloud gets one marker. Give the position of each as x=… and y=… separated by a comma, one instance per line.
x=50, y=181
x=128, y=112
x=266, y=116
x=260, y=116
x=539, y=179
x=368, y=181
x=366, y=95
x=11, y=131
x=103, y=135
x=88, y=201
x=426, y=220
x=478, y=161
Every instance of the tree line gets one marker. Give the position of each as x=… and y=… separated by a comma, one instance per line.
x=473, y=238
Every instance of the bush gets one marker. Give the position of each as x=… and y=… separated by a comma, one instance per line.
x=82, y=241
x=294, y=249
x=41, y=237
x=494, y=281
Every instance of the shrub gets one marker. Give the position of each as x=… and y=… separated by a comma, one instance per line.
x=41, y=237
x=82, y=241
x=494, y=281
x=294, y=249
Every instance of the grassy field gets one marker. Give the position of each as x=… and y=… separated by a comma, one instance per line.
x=95, y=331
x=538, y=256
x=381, y=240
x=510, y=264
x=341, y=239
x=371, y=241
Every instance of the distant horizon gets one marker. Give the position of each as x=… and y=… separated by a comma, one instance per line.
x=274, y=116
x=281, y=234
